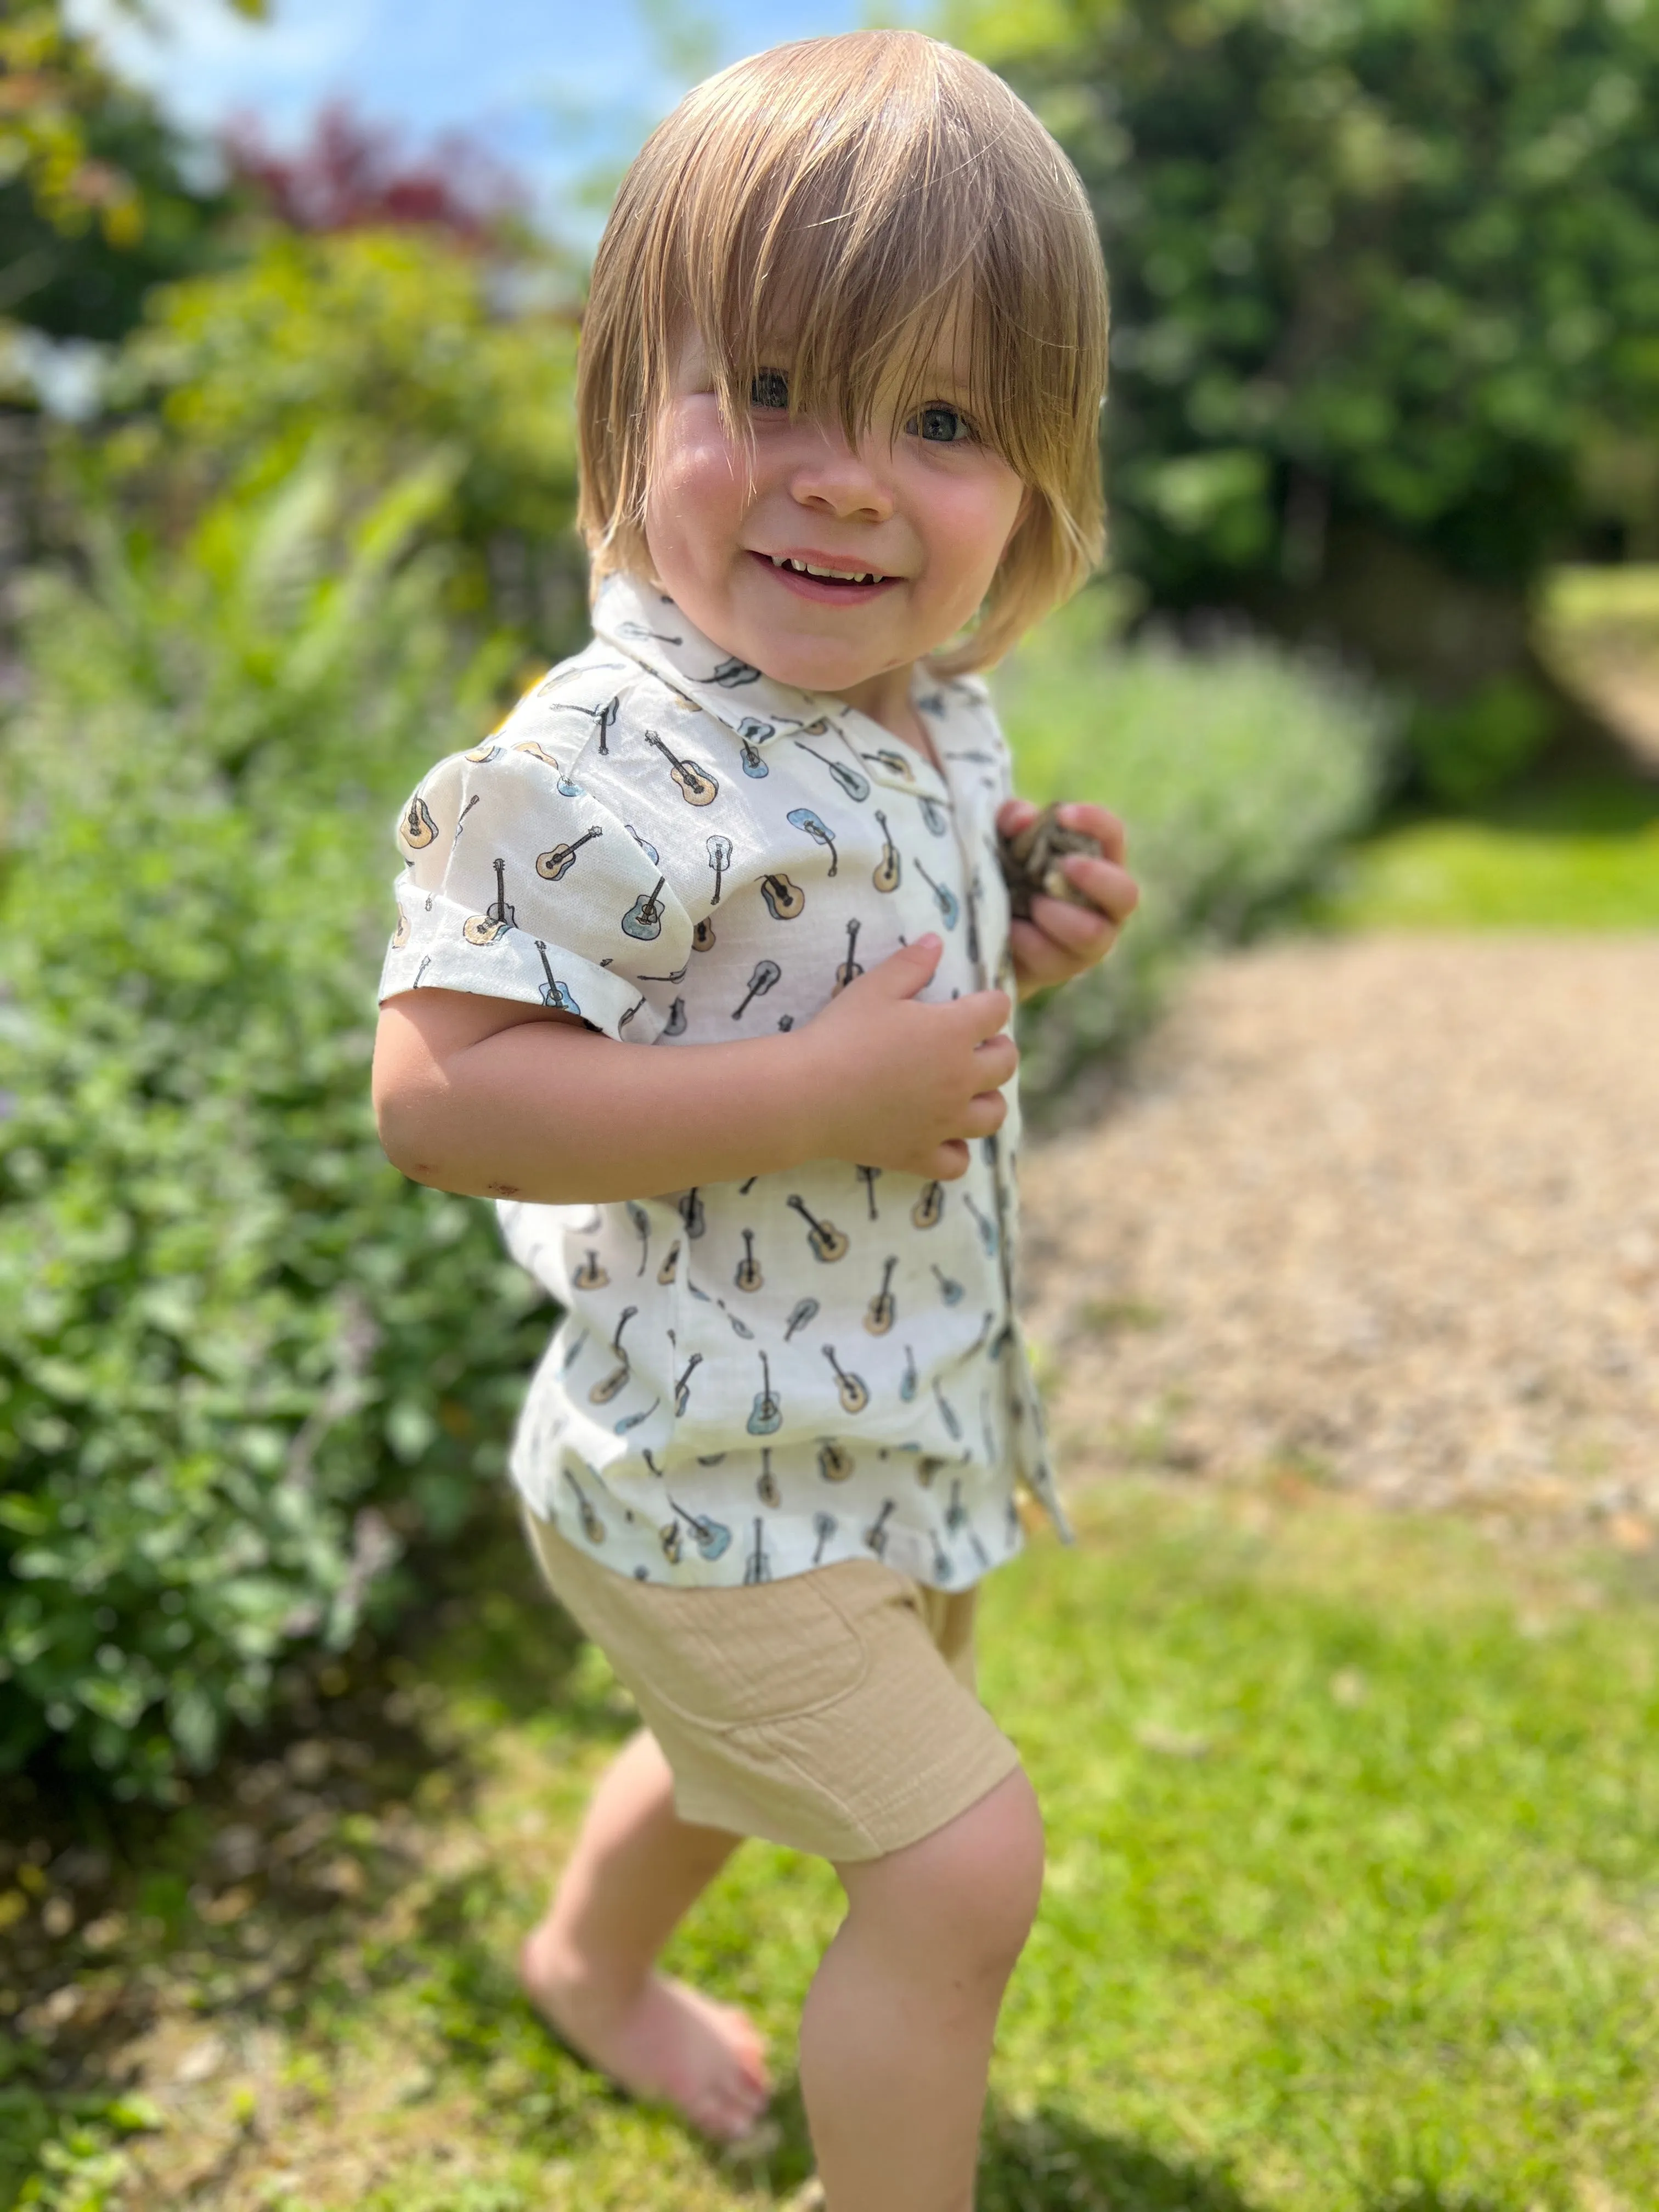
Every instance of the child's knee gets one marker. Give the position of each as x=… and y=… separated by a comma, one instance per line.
x=999, y=1880
x=969, y=1891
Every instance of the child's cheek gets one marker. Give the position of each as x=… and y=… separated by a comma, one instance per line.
x=697, y=477
x=973, y=512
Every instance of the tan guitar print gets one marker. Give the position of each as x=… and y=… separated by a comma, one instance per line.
x=849, y=968
x=886, y=874
x=879, y=1313
x=697, y=788
x=608, y=1385
x=417, y=828
x=497, y=917
x=851, y=1389
x=555, y=865
x=827, y=1242
x=592, y=1526
x=925, y=1213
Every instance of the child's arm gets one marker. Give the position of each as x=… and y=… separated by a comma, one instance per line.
x=1061, y=941
x=496, y=1098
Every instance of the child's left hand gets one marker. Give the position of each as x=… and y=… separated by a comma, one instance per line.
x=1061, y=941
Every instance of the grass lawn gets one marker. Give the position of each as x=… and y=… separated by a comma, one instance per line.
x=1568, y=856
x=1353, y=1905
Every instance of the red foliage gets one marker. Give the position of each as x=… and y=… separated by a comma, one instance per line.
x=354, y=175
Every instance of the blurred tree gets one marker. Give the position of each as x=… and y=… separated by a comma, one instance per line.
x=355, y=175
x=1386, y=294
x=99, y=198
x=401, y=345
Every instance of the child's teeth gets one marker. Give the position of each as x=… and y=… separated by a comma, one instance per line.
x=830, y=575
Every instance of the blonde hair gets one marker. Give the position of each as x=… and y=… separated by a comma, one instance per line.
x=856, y=193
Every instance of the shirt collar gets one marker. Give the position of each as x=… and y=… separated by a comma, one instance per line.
x=643, y=622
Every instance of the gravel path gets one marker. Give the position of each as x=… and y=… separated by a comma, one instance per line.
x=1382, y=1212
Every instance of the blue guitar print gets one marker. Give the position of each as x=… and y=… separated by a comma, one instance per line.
x=643, y=919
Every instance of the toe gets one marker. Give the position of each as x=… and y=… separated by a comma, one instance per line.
x=755, y=2077
x=738, y=2107
x=748, y=2048
x=745, y=2101
x=721, y=2116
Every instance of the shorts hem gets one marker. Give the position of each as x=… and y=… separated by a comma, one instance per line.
x=860, y=1767
x=841, y=1837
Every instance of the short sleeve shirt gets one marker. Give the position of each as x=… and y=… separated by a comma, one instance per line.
x=754, y=1378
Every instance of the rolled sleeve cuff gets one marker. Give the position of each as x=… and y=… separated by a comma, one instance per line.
x=520, y=966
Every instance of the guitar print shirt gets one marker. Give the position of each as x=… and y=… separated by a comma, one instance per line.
x=756, y=1378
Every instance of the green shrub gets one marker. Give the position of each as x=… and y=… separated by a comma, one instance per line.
x=241, y=1360
x=1390, y=261
x=396, y=345
x=1466, y=752
x=1238, y=770
x=1384, y=277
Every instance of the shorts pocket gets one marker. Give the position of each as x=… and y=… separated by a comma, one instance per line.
x=729, y=1658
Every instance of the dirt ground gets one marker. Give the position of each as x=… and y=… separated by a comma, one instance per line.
x=1381, y=1214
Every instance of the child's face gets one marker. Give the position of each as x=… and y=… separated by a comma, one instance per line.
x=920, y=503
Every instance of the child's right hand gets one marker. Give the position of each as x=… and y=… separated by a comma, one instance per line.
x=905, y=1085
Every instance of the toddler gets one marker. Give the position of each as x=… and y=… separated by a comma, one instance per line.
x=840, y=379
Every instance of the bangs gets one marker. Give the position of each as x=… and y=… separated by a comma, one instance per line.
x=860, y=253
x=855, y=211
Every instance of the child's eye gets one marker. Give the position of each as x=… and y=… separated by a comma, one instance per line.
x=769, y=388
x=940, y=425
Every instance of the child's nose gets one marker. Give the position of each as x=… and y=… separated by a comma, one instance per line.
x=836, y=479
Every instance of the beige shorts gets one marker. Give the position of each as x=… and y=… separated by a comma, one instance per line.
x=832, y=1711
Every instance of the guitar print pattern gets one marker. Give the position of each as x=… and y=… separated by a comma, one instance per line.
x=758, y=1378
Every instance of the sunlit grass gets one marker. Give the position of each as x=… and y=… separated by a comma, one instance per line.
x=1565, y=857
x=1580, y=598
x=1351, y=1905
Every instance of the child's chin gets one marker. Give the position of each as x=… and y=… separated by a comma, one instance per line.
x=837, y=682
x=819, y=664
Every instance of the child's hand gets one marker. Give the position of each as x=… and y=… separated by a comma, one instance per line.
x=1062, y=940
x=904, y=1086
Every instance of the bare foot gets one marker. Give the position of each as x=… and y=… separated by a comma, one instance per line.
x=669, y=2042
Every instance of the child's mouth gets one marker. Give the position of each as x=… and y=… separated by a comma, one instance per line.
x=814, y=581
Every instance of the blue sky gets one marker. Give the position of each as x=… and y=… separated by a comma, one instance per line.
x=557, y=87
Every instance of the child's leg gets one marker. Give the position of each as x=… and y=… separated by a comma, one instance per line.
x=590, y=1966
x=896, y=2036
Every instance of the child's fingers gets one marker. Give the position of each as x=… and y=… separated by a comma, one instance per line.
x=1079, y=931
x=994, y=1061
x=986, y=1112
x=1105, y=885
x=982, y=1013
x=1096, y=822
x=1040, y=961
x=903, y=973
x=1013, y=814
x=982, y=1117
